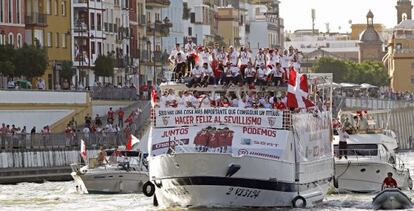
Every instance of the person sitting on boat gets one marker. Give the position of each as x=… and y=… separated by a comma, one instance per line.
x=389, y=182
x=102, y=156
x=196, y=75
x=343, y=136
x=208, y=75
x=123, y=162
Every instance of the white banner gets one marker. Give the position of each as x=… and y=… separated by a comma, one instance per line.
x=238, y=141
x=314, y=136
x=219, y=116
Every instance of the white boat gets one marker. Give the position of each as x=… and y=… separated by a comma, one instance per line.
x=391, y=199
x=370, y=156
x=111, y=178
x=270, y=159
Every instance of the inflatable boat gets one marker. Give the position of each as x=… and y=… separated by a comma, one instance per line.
x=391, y=198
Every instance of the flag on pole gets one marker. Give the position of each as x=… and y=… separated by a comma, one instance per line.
x=132, y=141
x=83, y=151
x=297, y=96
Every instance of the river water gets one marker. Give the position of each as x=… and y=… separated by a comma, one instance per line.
x=63, y=196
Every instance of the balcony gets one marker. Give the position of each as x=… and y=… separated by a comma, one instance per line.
x=157, y=3
x=80, y=3
x=161, y=28
x=36, y=19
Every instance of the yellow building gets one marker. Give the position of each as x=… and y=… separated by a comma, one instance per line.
x=400, y=57
x=228, y=25
x=48, y=24
x=357, y=29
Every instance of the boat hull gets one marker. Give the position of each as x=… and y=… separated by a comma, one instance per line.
x=179, y=181
x=367, y=176
x=391, y=199
x=110, y=182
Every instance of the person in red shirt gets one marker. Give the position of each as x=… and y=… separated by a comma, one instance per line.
x=389, y=182
x=121, y=114
x=110, y=115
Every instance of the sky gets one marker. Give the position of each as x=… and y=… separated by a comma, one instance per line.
x=338, y=13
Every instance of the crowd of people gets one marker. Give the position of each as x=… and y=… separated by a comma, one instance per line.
x=198, y=99
x=202, y=66
x=382, y=93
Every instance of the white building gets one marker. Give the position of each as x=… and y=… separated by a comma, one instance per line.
x=266, y=27
x=175, y=14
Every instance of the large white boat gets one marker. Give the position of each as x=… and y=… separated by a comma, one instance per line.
x=239, y=157
x=112, y=177
x=370, y=156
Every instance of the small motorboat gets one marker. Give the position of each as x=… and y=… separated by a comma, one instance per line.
x=112, y=178
x=391, y=198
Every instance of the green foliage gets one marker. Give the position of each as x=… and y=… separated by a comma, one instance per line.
x=67, y=72
x=30, y=61
x=7, y=67
x=371, y=72
x=104, y=66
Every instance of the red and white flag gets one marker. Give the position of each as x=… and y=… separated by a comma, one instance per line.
x=132, y=141
x=153, y=97
x=297, y=96
x=83, y=151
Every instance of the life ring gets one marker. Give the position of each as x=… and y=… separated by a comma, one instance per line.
x=299, y=202
x=145, y=190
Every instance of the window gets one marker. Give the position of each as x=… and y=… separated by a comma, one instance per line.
x=92, y=21
x=148, y=17
x=99, y=48
x=49, y=39
x=1, y=39
x=92, y=47
x=18, y=10
x=157, y=16
x=10, y=15
x=10, y=39
x=63, y=8
x=56, y=8
x=48, y=5
x=2, y=11
x=359, y=149
x=63, y=40
x=57, y=40
x=98, y=21
x=190, y=31
x=19, y=40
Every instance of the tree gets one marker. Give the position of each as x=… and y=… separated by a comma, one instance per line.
x=67, y=72
x=104, y=66
x=330, y=65
x=7, y=67
x=30, y=61
x=371, y=72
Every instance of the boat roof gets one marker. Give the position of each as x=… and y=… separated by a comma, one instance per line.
x=389, y=142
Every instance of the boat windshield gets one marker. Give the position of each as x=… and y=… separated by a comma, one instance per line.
x=359, y=149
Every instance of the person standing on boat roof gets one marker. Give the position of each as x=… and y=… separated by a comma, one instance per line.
x=102, y=156
x=343, y=136
x=389, y=182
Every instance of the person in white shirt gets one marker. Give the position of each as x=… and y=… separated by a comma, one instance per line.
x=180, y=100
x=196, y=74
x=208, y=75
x=272, y=58
x=261, y=75
x=277, y=75
x=189, y=100
x=40, y=84
x=227, y=75
x=249, y=74
x=171, y=99
x=236, y=76
x=163, y=100
x=205, y=57
x=245, y=58
x=178, y=59
x=190, y=51
x=233, y=56
x=205, y=101
x=260, y=58
x=284, y=61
